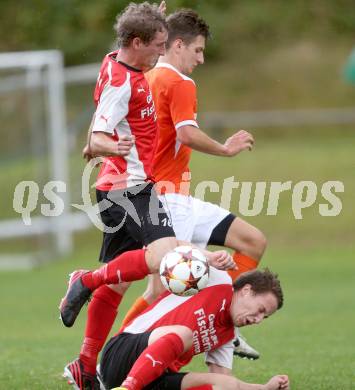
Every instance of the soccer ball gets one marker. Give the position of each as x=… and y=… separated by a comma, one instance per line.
x=184, y=271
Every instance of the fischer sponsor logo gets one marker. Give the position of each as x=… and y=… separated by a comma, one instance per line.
x=205, y=338
x=150, y=109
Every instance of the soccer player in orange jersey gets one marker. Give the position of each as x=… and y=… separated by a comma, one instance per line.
x=175, y=98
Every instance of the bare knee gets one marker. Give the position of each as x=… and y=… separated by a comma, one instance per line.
x=246, y=239
x=258, y=242
x=156, y=250
x=186, y=336
x=182, y=331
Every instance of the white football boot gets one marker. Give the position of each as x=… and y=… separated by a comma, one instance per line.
x=243, y=349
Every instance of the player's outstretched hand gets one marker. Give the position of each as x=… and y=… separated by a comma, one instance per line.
x=278, y=382
x=238, y=142
x=125, y=144
x=221, y=260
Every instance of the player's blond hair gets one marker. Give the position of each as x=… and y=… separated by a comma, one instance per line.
x=141, y=21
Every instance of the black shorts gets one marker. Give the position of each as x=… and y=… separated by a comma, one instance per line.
x=219, y=233
x=135, y=218
x=119, y=355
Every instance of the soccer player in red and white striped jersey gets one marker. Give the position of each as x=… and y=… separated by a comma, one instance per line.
x=125, y=110
x=149, y=352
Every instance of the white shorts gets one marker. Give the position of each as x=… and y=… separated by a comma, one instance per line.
x=193, y=220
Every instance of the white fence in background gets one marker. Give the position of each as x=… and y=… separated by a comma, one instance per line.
x=84, y=74
x=43, y=69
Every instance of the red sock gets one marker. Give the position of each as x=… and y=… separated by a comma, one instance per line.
x=127, y=267
x=203, y=387
x=244, y=263
x=102, y=312
x=153, y=361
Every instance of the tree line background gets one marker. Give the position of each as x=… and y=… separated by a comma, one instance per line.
x=82, y=29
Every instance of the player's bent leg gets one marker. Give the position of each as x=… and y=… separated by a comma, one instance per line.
x=246, y=238
x=127, y=267
x=156, y=250
x=165, y=345
x=184, y=333
x=249, y=244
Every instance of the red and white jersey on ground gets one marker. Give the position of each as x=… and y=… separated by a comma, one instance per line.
x=206, y=314
x=125, y=107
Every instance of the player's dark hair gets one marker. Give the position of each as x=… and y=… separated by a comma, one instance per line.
x=186, y=25
x=141, y=21
x=261, y=282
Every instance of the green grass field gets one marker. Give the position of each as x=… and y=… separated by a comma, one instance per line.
x=311, y=339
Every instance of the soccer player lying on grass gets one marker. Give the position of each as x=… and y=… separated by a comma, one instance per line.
x=193, y=220
x=151, y=349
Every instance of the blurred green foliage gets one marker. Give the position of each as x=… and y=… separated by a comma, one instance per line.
x=82, y=29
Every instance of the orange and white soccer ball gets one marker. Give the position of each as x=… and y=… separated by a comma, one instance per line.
x=184, y=271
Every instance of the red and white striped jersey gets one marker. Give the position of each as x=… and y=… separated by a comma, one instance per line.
x=207, y=314
x=125, y=107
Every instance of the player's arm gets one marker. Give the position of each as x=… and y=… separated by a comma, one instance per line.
x=102, y=144
x=87, y=153
x=220, y=259
x=198, y=140
x=275, y=383
x=182, y=104
x=111, y=110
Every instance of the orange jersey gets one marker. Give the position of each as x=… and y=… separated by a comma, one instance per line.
x=174, y=96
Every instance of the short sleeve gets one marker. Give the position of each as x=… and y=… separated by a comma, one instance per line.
x=112, y=107
x=222, y=356
x=183, y=103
